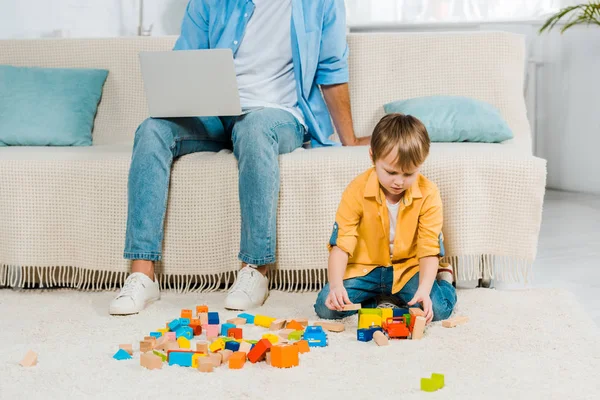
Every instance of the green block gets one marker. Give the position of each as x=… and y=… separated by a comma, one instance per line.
x=296, y=335
x=162, y=356
x=227, y=339
x=407, y=319
x=252, y=341
x=376, y=311
x=428, y=385
x=438, y=379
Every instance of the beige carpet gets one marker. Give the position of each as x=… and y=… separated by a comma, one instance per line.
x=533, y=344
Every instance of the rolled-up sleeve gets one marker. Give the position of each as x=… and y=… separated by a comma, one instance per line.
x=333, y=56
x=347, y=218
x=194, y=28
x=431, y=220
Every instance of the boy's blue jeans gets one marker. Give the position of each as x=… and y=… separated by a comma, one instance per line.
x=379, y=282
x=256, y=138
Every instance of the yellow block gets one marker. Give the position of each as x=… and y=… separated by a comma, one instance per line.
x=271, y=338
x=367, y=320
x=195, y=359
x=264, y=321
x=163, y=331
x=183, y=342
x=386, y=313
x=217, y=345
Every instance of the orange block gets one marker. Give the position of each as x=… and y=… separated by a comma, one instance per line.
x=237, y=360
x=295, y=325
x=186, y=314
x=201, y=309
x=284, y=356
x=195, y=325
x=303, y=346
x=235, y=333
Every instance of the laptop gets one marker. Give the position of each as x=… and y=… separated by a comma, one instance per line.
x=190, y=83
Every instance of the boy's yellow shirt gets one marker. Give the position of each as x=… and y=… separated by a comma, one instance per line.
x=362, y=228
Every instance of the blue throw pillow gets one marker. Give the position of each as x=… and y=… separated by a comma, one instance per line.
x=455, y=118
x=48, y=106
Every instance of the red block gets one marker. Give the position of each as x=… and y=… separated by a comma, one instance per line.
x=235, y=333
x=259, y=351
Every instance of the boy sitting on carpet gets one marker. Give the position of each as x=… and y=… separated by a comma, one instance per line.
x=387, y=236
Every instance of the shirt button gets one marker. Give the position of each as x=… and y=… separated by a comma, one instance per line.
x=235, y=42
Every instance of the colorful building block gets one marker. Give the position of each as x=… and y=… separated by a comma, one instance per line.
x=127, y=347
x=418, y=327
x=351, y=307
x=259, y=350
x=428, y=385
x=173, y=325
x=271, y=337
x=315, y=336
x=277, y=325
x=399, y=312
x=284, y=356
x=237, y=360
x=184, y=321
x=368, y=320
x=186, y=314
x=301, y=321
x=331, y=326
x=205, y=364
x=407, y=318
x=163, y=331
x=225, y=328
x=245, y=347
x=151, y=361
x=119, y=355
x=216, y=359
x=162, y=355
x=438, y=379
x=380, y=338
x=225, y=354
x=452, y=322
x=184, y=331
x=284, y=333
x=263, y=320
x=212, y=331
x=235, y=333
x=248, y=317
x=213, y=318
x=366, y=334
x=202, y=347
x=203, y=317
x=171, y=336
x=155, y=334
x=182, y=358
x=217, y=345
x=293, y=324
x=196, y=327
x=386, y=313
x=416, y=311
x=145, y=346
x=295, y=335
x=183, y=342
x=201, y=309
x=232, y=345
x=303, y=346
x=31, y=358
x=237, y=321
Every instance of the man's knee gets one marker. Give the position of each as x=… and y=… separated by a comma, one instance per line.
x=256, y=130
x=155, y=131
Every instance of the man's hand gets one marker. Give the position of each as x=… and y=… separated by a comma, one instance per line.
x=361, y=141
x=337, y=297
x=422, y=297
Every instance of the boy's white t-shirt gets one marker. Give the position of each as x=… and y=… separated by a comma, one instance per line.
x=263, y=61
x=393, y=214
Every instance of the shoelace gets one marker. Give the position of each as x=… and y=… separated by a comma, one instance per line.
x=131, y=287
x=244, y=281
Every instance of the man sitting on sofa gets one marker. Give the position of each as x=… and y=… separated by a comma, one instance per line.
x=283, y=51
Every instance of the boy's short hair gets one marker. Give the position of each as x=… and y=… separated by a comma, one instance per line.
x=403, y=134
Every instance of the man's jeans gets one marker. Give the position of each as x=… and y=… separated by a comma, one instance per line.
x=256, y=138
x=379, y=282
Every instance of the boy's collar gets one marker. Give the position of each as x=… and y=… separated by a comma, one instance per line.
x=373, y=189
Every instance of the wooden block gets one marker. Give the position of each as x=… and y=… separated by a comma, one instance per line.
x=277, y=325
x=161, y=343
x=245, y=347
x=380, y=338
x=237, y=321
x=331, y=326
x=171, y=346
x=145, y=346
x=201, y=309
x=268, y=358
x=226, y=354
x=303, y=346
x=216, y=358
x=127, y=347
x=237, y=360
x=418, y=327
x=202, y=347
x=263, y=320
x=452, y=322
x=235, y=333
x=284, y=333
x=295, y=325
x=205, y=364
x=301, y=321
x=217, y=345
x=203, y=317
x=151, y=361
x=29, y=360
x=150, y=339
x=186, y=314
x=351, y=307
x=183, y=343
x=416, y=312
x=171, y=336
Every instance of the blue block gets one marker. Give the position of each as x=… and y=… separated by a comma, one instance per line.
x=173, y=325
x=399, y=312
x=225, y=328
x=122, y=355
x=248, y=317
x=366, y=334
x=232, y=345
x=155, y=334
x=184, y=321
x=213, y=318
x=184, y=331
x=183, y=358
x=315, y=336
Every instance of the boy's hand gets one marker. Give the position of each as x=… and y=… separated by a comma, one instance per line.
x=425, y=300
x=337, y=297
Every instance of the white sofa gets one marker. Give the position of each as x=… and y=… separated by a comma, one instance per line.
x=63, y=209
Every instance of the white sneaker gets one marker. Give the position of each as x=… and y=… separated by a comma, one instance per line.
x=250, y=289
x=137, y=292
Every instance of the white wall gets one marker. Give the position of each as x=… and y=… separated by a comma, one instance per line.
x=568, y=84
